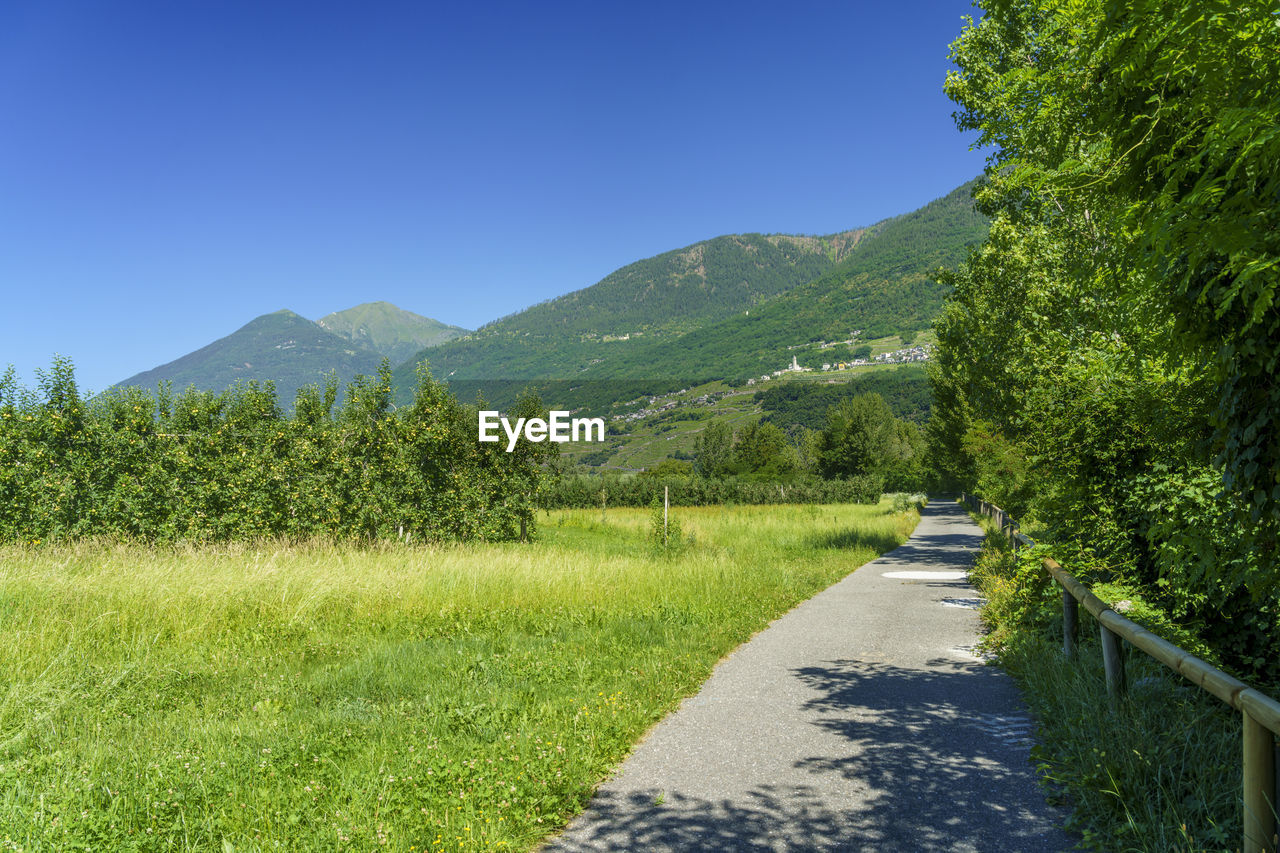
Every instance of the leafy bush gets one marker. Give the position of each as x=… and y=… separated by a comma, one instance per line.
x=665, y=535
x=199, y=466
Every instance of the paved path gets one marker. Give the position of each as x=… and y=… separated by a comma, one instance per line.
x=859, y=721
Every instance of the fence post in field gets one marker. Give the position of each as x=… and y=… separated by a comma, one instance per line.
x=1070, y=623
x=1112, y=662
x=1259, y=787
x=666, y=502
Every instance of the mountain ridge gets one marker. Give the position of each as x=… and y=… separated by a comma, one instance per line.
x=289, y=350
x=882, y=284
x=388, y=329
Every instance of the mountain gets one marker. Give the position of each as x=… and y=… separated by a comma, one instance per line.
x=292, y=351
x=655, y=299
x=728, y=308
x=886, y=286
x=382, y=328
x=282, y=346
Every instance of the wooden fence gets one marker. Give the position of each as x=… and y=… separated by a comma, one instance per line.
x=1259, y=712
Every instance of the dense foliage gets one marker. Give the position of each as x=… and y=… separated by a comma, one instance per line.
x=203, y=466
x=862, y=450
x=862, y=438
x=905, y=389
x=1107, y=362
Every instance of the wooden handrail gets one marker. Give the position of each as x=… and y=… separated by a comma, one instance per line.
x=1260, y=713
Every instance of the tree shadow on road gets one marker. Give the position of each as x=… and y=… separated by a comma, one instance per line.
x=650, y=821
x=944, y=753
x=936, y=759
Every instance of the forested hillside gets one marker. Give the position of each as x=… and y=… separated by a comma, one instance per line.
x=884, y=284
x=282, y=347
x=887, y=285
x=655, y=298
x=677, y=289
x=387, y=330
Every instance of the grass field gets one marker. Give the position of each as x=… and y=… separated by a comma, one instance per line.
x=324, y=697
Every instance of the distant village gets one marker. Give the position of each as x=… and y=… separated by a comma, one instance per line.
x=919, y=352
x=667, y=402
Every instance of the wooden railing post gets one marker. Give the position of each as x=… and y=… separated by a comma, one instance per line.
x=1259, y=787
x=1260, y=713
x=1113, y=663
x=1070, y=623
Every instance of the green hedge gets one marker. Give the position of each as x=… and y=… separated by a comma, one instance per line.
x=201, y=466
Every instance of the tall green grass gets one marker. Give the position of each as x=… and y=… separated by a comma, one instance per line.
x=1159, y=771
x=322, y=696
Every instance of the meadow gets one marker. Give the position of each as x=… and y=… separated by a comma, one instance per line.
x=329, y=696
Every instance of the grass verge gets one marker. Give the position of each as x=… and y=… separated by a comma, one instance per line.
x=318, y=696
x=1159, y=771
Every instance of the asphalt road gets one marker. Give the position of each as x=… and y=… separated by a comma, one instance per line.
x=859, y=721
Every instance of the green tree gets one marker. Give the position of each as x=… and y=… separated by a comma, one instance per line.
x=762, y=453
x=860, y=438
x=1116, y=335
x=713, y=450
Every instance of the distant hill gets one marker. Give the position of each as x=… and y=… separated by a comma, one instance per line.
x=292, y=351
x=283, y=347
x=383, y=328
x=729, y=308
x=655, y=299
x=886, y=286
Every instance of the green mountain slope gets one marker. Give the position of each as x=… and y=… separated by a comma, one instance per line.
x=884, y=287
x=282, y=347
x=875, y=281
x=678, y=289
x=654, y=299
x=382, y=328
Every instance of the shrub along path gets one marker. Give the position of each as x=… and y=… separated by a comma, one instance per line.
x=861, y=720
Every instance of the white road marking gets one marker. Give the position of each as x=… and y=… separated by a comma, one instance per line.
x=926, y=576
x=966, y=603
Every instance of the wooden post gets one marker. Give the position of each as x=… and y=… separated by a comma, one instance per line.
x=1259, y=787
x=524, y=529
x=604, y=495
x=666, y=500
x=1070, y=623
x=1113, y=663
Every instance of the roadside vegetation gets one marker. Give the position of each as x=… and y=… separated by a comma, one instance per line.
x=1161, y=770
x=331, y=695
x=1106, y=372
x=862, y=451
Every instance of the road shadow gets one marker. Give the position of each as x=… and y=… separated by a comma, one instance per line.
x=944, y=752
x=935, y=757
x=938, y=761
x=765, y=820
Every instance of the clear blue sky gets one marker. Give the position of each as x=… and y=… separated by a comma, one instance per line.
x=170, y=170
